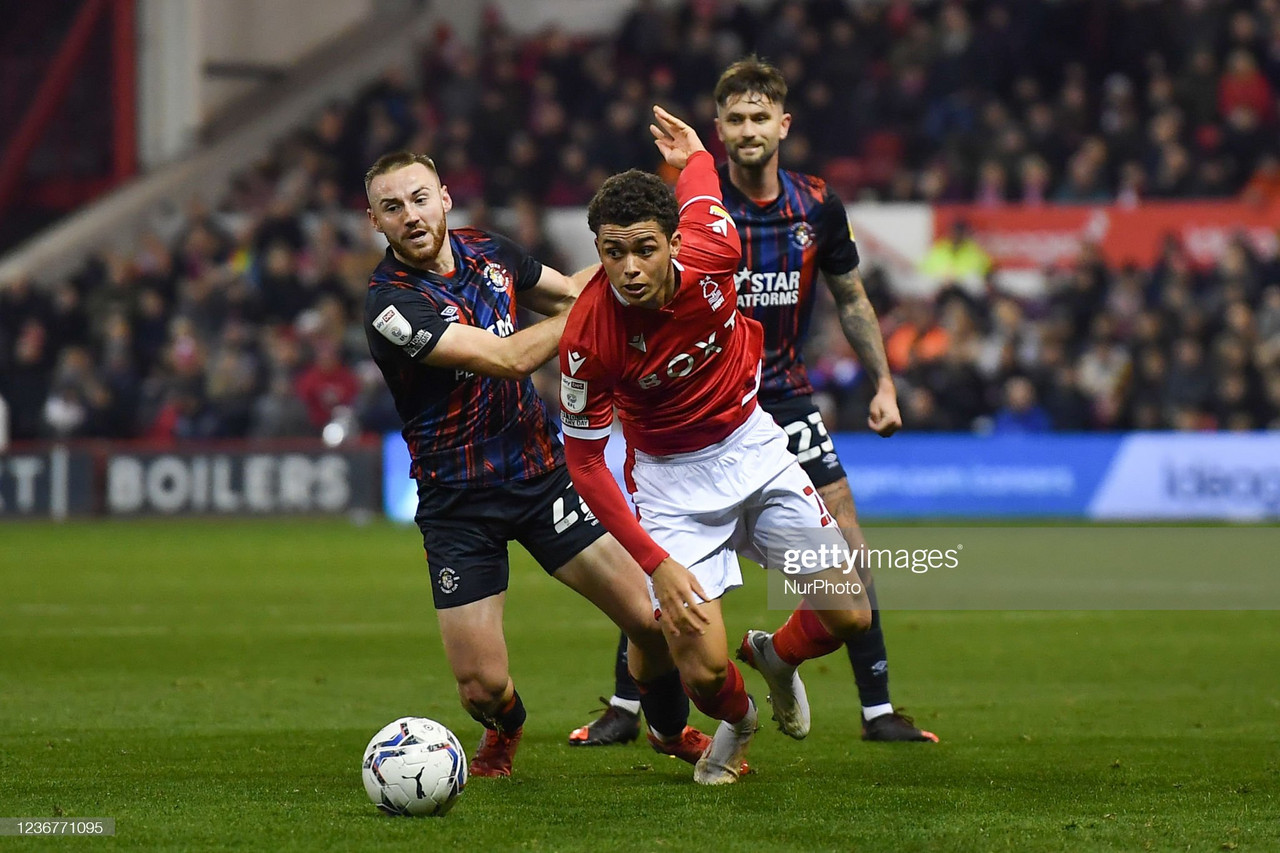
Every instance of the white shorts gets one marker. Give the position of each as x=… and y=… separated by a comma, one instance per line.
x=745, y=494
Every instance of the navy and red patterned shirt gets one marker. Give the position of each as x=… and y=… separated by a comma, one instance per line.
x=462, y=429
x=785, y=242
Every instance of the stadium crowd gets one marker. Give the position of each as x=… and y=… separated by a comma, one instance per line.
x=244, y=321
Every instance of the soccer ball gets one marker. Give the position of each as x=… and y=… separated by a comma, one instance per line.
x=414, y=766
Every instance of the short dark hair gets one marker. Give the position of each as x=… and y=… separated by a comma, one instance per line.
x=396, y=160
x=751, y=75
x=630, y=197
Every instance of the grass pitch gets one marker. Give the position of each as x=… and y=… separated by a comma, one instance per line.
x=211, y=685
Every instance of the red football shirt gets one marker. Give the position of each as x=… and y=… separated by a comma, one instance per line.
x=682, y=377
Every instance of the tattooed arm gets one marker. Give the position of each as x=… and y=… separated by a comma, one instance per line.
x=862, y=331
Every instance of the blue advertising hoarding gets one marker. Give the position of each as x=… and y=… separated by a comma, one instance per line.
x=1135, y=476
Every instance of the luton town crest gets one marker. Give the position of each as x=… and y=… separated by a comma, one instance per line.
x=802, y=235
x=498, y=277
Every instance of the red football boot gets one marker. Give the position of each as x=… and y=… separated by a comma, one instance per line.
x=688, y=747
x=493, y=758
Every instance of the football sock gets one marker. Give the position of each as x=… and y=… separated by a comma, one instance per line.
x=631, y=706
x=803, y=637
x=869, y=713
x=730, y=703
x=870, y=660
x=623, y=685
x=665, y=704
x=509, y=717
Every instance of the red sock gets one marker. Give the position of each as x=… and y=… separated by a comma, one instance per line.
x=804, y=637
x=729, y=703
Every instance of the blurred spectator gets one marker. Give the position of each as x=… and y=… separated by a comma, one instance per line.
x=1243, y=87
x=1189, y=385
x=326, y=384
x=280, y=412
x=27, y=382
x=375, y=408
x=1035, y=180
x=993, y=185
x=957, y=260
x=1020, y=412
x=915, y=339
x=1104, y=372
x=1263, y=186
x=921, y=412
x=1067, y=406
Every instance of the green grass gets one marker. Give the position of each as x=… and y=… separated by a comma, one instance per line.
x=211, y=686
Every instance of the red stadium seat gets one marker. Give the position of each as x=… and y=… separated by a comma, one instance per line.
x=882, y=154
x=845, y=175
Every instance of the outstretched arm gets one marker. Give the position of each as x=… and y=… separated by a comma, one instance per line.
x=862, y=331
x=512, y=357
x=703, y=218
x=556, y=292
x=678, y=592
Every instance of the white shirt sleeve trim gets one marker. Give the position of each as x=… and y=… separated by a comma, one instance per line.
x=709, y=198
x=587, y=434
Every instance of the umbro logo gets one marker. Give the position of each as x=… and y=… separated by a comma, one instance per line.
x=575, y=361
x=637, y=341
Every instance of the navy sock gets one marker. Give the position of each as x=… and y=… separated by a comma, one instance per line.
x=869, y=658
x=623, y=685
x=510, y=716
x=666, y=707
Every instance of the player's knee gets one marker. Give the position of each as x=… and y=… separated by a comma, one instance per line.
x=704, y=678
x=846, y=624
x=641, y=628
x=479, y=691
x=860, y=622
x=646, y=635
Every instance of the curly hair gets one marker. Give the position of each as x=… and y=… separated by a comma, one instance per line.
x=751, y=75
x=630, y=197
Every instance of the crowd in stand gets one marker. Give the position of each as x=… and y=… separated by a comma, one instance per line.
x=246, y=321
x=1172, y=347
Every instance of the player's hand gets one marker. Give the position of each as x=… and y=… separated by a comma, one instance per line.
x=675, y=139
x=679, y=593
x=885, y=418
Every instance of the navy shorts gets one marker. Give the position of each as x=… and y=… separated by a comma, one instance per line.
x=807, y=438
x=466, y=531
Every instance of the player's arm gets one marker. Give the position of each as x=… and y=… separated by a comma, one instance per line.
x=861, y=329
x=556, y=292
x=586, y=415
x=480, y=351
x=838, y=261
x=707, y=228
x=413, y=322
x=678, y=592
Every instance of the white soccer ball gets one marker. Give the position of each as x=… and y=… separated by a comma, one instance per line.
x=414, y=766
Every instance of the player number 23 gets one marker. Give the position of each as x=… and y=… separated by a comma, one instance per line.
x=804, y=431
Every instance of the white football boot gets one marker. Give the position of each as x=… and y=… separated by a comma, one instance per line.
x=786, y=690
x=723, y=761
